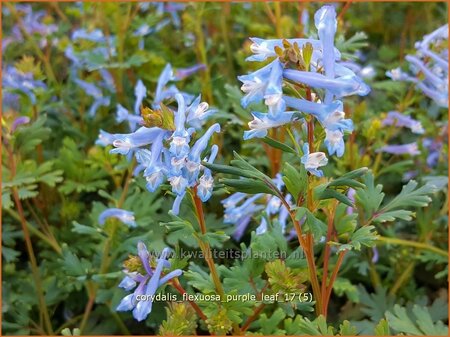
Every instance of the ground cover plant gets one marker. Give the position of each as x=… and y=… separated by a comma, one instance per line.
x=267, y=168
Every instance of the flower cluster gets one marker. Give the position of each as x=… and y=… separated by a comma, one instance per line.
x=304, y=64
x=429, y=66
x=32, y=23
x=126, y=217
x=145, y=280
x=240, y=208
x=13, y=81
x=398, y=119
x=172, y=155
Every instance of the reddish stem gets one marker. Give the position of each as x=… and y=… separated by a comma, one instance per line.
x=332, y=279
x=194, y=305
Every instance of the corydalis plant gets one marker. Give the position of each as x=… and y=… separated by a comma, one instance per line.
x=172, y=155
x=309, y=69
x=429, y=66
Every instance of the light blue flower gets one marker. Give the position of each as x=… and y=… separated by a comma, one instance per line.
x=162, y=93
x=140, y=91
x=92, y=90
x=126, y=217
x=182, y=73
x=411, y=149
x=312, y=161
x=340, y=86
x=198, y=112
x=105, y=138
x=262, y=122
x=201, y=144
x=429, y=67
x=147, y=284
x=123, y=114
x=179, y=145
x=206, y=181
x=13, y=79
x=264, y=49
x=124, y=143
x=401, y=120
x=262, y=82
x=240, y=208
x=95, y=35
x=334, y=141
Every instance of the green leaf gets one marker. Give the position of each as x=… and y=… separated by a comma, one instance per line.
x=346, y=329
x=375, y=304
x=382, y=328
x=249, y=186
x=312, y=224
x=370, y=197
x=408, y=197
x=411, y=197
x=200, y=279
x=294, y=180
x=278, y=145
x=73, y=265
x=333, y=194
x=420, y=324
x=365, y=236
x=343, y=286
x=269, y=326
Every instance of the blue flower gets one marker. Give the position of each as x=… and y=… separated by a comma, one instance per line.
x=124, y=143
x=346, y=85
x=163, y=92
x=240, y=208
x=19, y=121
x=140, y=91
x=206, y=181
x=312, y=161
x=265, y=81
x=126, y=217
x=92, y=90
x=429, y=67
x=334, y=141
x=123, y=114
x=198, y=112
x=95, y=35
x=179, y=146
x=147, y=284
x=410, y=149
x=105, y=138
x=182, y=73
x=264, y=49
x=13, y=79
x=262, y=122
x=398, y=119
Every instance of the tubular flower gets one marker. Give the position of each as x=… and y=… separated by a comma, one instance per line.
x=126, y=217
x=311, y=63
x=240, y=208
x=179, y=163
x=411, y=149
x=145, y=281
x=313, y=161
x=398, y=119
x=428, y=67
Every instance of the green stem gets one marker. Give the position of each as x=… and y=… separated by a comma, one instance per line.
x=106, y=259
x=34, y=266
x=403, y=278
x=206, y=250
x=47, y=65
x=201, y=53
x=419, y=245
x=278, y=19
x=225, y=36
x=38, y=233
